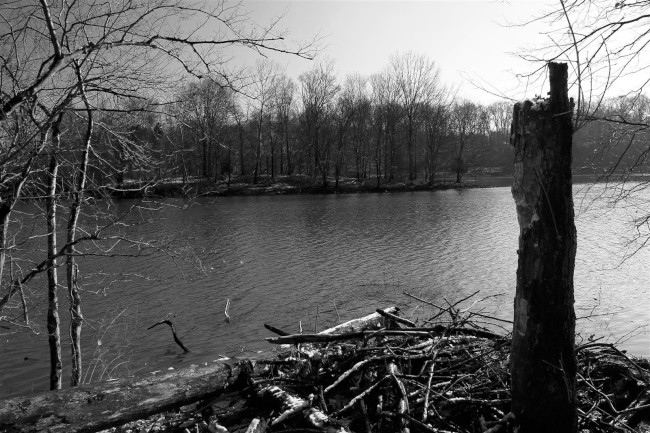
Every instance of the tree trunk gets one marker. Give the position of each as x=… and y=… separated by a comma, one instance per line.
x=72, y=270
x=241, y=149
x=409, y=146
x=286, y=142
x=53, y=322
x=7, y=201
x=204, y=163
x=5, y=212
x=543, y=365
x=76, y=318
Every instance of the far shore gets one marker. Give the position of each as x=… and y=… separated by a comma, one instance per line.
x=297, y=184
x=302, y=184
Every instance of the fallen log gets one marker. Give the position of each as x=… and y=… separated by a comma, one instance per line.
x=93, y=408
x=371, y=321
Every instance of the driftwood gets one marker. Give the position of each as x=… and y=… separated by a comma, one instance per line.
x=98, y=407
x=371, y=321
x=258, y=425
x=415, y=332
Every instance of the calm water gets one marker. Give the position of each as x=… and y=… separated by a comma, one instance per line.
x=305, y=261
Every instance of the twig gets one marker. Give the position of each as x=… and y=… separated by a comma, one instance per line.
x=422, y=300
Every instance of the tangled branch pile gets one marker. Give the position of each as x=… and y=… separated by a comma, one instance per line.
x=450, y=376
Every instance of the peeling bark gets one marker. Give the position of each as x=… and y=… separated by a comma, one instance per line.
x=543, y=365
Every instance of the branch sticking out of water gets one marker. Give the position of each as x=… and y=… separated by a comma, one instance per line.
x=225, y=312
x=173, y=328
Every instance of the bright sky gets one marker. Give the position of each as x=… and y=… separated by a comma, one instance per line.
x=467, y=39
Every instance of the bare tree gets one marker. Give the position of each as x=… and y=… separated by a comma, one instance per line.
x=283, y=105
x=263, y=88
x=500, y=118
x=605, y=44
x=387, y=113
x=53, y=320
x=436, y=129
x=356, y=90
x=318, y=90
x=203, y=112
x=466, y=124
x=349, y=119
x=418, y=81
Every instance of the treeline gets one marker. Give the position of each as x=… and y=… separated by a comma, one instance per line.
x=613, y=141
x=399, y=125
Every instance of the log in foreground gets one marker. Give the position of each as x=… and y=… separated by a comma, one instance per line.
x=97, y=407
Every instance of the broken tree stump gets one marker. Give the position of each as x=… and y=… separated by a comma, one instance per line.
x=543, y=363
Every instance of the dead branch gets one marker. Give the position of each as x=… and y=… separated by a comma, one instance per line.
x=173, y=328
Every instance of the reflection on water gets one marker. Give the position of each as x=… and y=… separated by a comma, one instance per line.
x=305, y=261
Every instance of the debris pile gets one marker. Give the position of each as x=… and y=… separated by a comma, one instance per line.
x=384, y=373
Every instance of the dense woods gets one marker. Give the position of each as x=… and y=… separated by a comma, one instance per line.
x=401, y=125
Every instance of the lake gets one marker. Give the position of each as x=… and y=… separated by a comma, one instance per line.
x=306, y=262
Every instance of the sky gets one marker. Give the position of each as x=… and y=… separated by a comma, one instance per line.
x=473, y=42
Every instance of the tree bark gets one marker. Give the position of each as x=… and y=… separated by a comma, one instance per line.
x=543, y=365
x=9, y=196
x=53, y=322
x=5, y=212
x=72, y=270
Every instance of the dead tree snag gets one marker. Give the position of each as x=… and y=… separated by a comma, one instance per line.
x=542, y=364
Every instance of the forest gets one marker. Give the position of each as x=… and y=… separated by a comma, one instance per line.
x=401, y=125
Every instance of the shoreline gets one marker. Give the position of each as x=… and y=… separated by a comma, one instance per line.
x=305, y=185
x=289, y=185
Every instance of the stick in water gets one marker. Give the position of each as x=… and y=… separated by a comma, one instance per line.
x=176, y=339
x=226, y=311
